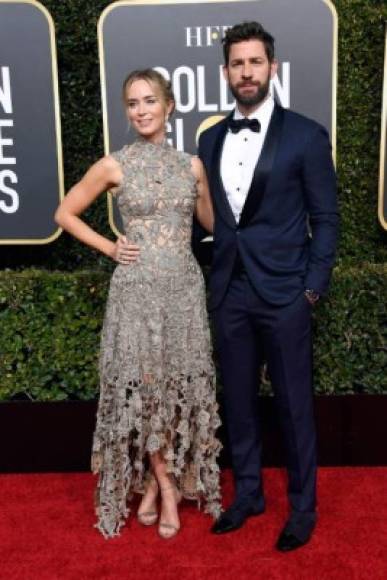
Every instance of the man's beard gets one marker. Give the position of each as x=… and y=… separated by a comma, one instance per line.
x=253, y=99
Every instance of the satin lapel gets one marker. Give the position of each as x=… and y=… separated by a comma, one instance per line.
x=263, y=167
x=217, y=188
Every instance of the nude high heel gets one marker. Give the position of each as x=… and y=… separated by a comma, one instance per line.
x=166, y=530
x=148, y=518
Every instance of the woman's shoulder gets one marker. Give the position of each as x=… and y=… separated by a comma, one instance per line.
x=186, y=154
x=190, y=162
x=187, y=159
x=197, y=166
x=122, y=154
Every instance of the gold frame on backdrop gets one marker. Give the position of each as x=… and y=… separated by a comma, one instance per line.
x=101, y=51
x=383, y=152
x=59, y=148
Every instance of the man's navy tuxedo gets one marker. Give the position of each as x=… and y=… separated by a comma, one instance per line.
x=261, y=267
x=294, y=178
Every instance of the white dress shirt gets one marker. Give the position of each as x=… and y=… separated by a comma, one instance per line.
x=240, y=155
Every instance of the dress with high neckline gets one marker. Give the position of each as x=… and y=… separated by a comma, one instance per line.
x=157, y=379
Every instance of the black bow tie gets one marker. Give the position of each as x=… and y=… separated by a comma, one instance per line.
x=235, y=125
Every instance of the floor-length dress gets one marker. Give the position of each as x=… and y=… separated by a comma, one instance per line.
x=157, y=390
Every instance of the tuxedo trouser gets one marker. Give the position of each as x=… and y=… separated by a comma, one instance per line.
x=248, y=331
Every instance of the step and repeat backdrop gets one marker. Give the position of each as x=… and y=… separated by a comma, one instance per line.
x=31, y=169
x=183, y=42
x=180, y=39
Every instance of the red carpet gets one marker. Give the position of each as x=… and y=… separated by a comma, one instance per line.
x=46, y=533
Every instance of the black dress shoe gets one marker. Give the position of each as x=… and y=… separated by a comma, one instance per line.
x=235, y=516
x=297, y=531
x=287, y=542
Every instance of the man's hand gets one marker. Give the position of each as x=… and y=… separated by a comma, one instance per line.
x=312, y=296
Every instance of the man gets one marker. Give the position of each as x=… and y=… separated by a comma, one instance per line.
x=272, y=179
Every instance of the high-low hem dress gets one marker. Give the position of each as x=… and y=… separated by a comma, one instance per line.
x=157, y=379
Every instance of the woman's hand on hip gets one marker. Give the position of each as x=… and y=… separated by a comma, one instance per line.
x=124, y=252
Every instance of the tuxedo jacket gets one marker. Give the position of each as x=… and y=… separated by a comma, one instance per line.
x=286, y=235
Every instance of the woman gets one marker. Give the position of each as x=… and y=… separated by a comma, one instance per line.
x=157, y=414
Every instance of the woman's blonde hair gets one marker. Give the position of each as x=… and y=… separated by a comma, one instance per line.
x=155, y=79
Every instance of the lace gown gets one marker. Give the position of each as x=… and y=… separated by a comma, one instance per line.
x=156, y=371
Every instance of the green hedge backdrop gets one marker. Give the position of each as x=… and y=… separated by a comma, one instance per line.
x=49, y=320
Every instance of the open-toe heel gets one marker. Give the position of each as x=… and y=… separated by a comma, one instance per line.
x=167, y=530
x=149, y=517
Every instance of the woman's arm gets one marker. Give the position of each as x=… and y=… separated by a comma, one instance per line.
x=203, y=209
x=103, y=175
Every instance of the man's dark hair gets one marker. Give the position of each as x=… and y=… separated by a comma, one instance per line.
x=247, y=31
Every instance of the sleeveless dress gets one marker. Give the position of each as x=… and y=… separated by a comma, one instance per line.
x=157, y=390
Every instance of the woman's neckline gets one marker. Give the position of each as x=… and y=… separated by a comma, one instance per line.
x=151, y=144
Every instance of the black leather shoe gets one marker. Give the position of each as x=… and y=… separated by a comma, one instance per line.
x=234, y=517
x=287, y=542
x=297, y=531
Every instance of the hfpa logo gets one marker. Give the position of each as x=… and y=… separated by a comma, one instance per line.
x=204, y=35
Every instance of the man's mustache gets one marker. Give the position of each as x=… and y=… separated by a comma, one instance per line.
x=248, y=84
